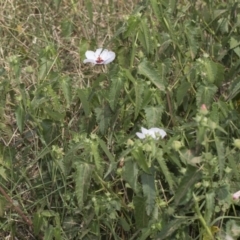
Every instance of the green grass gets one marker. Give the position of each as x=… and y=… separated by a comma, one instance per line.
x=71, y=165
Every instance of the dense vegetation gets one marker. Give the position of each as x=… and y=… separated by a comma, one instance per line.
x=71, y=164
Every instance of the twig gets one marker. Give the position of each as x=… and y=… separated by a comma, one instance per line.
x=17, y=209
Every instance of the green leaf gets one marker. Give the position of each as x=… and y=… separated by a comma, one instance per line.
x=66, y=28
x=96, y=156
x=234, y=88
x=45, y=67
x=221, y=155
x=205, y=94
x=103, y=116
x=169, y=228
x=234, y=44
x=37, y=223
x=115, y=90
x=83, y=95
x=214, y=72
x=90, y=10
x=210, y=205
x=140, y=158
x=192, y=175
x=20, y=117
x=151, y=73
x=105, y=149
x=153, y=115
x=82, y=180
x=149, y=191
x=138, y=87
x=144, y=35
x=130, y=174
x=140, y=214
x=164, y=168
x=66, y=88
x=182, y=90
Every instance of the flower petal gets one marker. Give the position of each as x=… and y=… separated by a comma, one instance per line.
x=158, y=131
x=140, y=135
x=90, y=55
x=104, y=54
x=111, y=56
x=236, y=195
x=89, y=60
x=98, y=52
x=144, y=130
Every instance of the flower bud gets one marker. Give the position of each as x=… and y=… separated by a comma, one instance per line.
x=236, y=143
x=176, y=145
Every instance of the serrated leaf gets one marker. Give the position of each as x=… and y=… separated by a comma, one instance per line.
x=140, y=214
x=182, y=91
x=234, y=88
x=82, y=180
x=115, y=90
x=83, y=95
x=130, y=174
x=145, y=39
x=138, y=155
x=96, y=156
x=210, y=205
x=151, y=73
x=149, y=191
x=214, y=72
x=103, y=116
x=164, y=169
x=205, y=94
x=66, y=88
x=192, y=175
x=153, y=115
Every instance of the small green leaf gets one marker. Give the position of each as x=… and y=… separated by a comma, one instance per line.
x=140, y=159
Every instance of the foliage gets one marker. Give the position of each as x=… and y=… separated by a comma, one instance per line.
x=71, y=165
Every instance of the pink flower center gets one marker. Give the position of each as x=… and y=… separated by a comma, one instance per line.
x=99, y=60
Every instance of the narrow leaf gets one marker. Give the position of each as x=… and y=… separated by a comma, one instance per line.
x=191, y=176
x=20, y=117
x=83, y=95
x=140, y=215
x=149, y=191
x=130, y=174
x=82, y=179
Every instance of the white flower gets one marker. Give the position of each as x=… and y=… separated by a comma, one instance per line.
x=236, y=195
x=155, y=133
x=101, y=56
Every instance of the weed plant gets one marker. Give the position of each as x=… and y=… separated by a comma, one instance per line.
x=71, y=164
